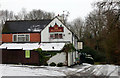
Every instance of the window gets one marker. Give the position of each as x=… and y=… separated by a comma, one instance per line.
x=27, y=53
x=60, y=36
x=15, y=37
x=21, y=37
x=51, y=36
x=27, y=37
x=56, y=36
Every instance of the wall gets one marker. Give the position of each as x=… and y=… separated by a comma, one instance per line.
x=74, y=38
x=58, y=58
x=45, y=33
x=6, y=37
x=61, y=58
x=71, y=58
x=18, y=56
x=34, y=37
x=75, y=42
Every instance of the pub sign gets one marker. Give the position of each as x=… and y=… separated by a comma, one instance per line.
x=56, y=28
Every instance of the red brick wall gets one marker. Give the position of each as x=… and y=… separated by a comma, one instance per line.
x=34, y=37
x=6, y=37
x=18, y=56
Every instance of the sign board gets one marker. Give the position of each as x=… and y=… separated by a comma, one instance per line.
x=55, y=28
x=80, y=45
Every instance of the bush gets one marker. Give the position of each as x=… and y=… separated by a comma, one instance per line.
x=96, y=55
x=52, y=64
x=60, y=64
x=46, y=64
x=69, y=48
x=89, y=60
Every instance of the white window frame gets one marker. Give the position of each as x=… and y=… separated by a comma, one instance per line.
x=54, y=35
x=17, y=37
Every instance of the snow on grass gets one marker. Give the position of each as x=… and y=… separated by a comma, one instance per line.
x=78, y=70
x=105, y=70
x=9, y=70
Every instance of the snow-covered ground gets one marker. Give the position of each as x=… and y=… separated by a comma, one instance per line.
x=78, y=70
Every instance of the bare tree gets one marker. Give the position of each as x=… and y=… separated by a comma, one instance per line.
x=77, y=26
x=22, y=14
x=102, y=29
x=39, y=14
x=112, y=11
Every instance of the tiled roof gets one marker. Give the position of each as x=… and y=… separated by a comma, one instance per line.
x=25, y=26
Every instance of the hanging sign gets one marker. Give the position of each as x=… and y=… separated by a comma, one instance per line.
x=80, y=45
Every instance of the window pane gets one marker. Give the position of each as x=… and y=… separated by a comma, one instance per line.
x=60, y=36
x=27, y=37
x=51, y=36
x=56, y=36
x=14, y=37
x=21, y=35
x=21, y=39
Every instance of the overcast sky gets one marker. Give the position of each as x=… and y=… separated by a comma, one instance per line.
x=76, y=8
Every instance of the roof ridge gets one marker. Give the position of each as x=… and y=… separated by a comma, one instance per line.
x=28, y=20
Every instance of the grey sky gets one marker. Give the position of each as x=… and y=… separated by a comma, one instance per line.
x=77, y=8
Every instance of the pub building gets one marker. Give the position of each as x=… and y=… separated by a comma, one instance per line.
x=21, y=37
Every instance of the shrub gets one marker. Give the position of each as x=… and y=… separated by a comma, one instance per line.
x=52, y=64
x=46, y=64
x=89, y=60
x=69, y=48
x=60, y=64
x=96, y=55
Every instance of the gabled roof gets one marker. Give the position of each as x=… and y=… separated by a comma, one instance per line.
x=25, y=26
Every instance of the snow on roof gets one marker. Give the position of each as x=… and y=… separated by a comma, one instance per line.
x=24, y=46
x=52, y=46
x=31, y=46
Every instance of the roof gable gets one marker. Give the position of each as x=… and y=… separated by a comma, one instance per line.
x=55, y=22
x=62, y=25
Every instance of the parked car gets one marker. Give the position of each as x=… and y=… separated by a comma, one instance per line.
x=86, y=58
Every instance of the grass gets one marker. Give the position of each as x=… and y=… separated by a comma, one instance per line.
x=99, y=63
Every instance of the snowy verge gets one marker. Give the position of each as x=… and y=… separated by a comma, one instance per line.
x=78, y=70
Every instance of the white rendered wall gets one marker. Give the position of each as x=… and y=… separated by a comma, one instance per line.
x=71, y=58
x=45, y=33
x=58, y=58
x=74, y=41
x=61, y=58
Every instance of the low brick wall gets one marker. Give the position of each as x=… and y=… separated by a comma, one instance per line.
x=18, y=56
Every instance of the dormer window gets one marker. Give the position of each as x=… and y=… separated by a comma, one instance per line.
x=21, y=37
